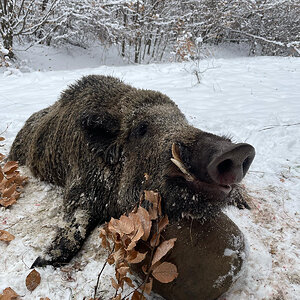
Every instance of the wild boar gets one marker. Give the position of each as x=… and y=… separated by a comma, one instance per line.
x=101, y=137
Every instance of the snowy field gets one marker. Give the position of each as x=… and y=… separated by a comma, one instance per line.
x=255, y=100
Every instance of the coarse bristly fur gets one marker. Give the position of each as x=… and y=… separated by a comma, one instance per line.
x=98, y=140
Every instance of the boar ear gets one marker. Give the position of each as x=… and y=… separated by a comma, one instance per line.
x=102, y=125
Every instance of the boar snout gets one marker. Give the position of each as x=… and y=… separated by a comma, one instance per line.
x=213, y=167
x=232, y=165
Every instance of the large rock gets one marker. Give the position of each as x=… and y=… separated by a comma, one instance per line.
x=208, y=256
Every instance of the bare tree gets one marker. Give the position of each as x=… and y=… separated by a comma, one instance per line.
x=17, y=18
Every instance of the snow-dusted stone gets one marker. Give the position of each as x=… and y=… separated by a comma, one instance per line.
x=208, y=256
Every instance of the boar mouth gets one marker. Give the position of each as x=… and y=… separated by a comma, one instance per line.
x=195, y=183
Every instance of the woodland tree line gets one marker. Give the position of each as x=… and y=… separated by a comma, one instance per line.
x=151, y=28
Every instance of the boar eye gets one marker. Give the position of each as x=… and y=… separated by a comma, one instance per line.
x=140, y=130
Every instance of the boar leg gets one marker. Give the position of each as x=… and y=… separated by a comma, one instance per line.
x=78, y=223
x=238, y=197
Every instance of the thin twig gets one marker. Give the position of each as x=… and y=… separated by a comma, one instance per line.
x=99, y=275
x=273, y=126
x=7, y=125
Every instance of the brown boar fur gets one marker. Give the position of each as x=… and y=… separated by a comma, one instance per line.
x=98, y=140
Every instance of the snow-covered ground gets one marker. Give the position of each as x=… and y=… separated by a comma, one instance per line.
x=255, y=100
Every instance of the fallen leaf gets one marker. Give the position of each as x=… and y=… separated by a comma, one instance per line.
x=6, y=182
x=104, y=242
x=165, y=272
x=126, y=225
x=162, y=250
x=44, y=298
x=146, y=222
x=154, y=198
x=123, y=271
x=114, y=284
x=10, y=167
x=137, y=296
x=118, y=255
x=1, y=156
x=33, y=279
x=128, y=281
x=138, y=227
x=118, y=297
x=6, y=236
x=7, y=193
x=7, y=202
x=9, y=294
x=139, y=257
x=20, y=180
x=122, y=226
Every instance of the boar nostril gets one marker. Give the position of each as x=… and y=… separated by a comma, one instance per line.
x=225, y=166
x=232, y=165
x=246, y=164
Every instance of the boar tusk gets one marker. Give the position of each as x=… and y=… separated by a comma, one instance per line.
x=176, y=152
x=182, y=168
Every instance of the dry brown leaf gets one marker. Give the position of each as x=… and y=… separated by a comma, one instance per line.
x=123, y=271
x=165, y=272
x=154, y=198
x=118, y=297
x=119, y=255
x=6, y=182
x=10, y=167
x=20, y=180
x=6, y=236
x=147, y=287
x=104, y=242
x=7, y=202
x=9, y=294
x=137, y=296
x=163, y=223
x=1, y=156
x=138, y=227
x=114, y=284
x=2, y=138
x=122, y=226
x=7, y=193
x=139, y=257
x=128, y=281
x=146, y=222
x=126, y=225
x=131, y=254
x=33, y=279
x=162, y=250
x=151, y=196
x=110, y=260
x=46, y=298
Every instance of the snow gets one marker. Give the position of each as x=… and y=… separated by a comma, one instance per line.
x=254, y=100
